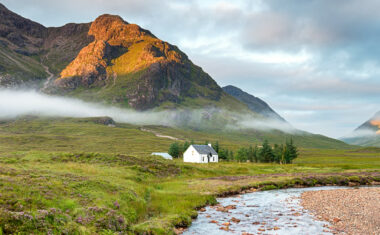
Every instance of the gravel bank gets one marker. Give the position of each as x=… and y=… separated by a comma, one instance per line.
x=350, y=211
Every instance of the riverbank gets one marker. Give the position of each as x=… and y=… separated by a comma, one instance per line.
x=350, y=211
x=281, y=181
x=262, y=212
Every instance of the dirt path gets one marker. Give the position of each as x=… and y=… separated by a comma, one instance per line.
x=48, y=79
x=350, y=211
x=159, y=135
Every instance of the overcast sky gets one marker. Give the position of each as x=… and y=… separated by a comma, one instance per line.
x=316, y=62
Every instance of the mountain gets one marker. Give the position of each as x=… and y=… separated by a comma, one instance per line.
x=28, y=50
x=367, y=134
x=108, y=60
x=114, y=62
x=255, y=104
x=129, y=65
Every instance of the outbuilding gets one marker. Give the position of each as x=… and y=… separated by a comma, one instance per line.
x=164, y=155
x=200, y=154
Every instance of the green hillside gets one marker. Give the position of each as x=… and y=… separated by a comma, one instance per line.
x=46, y=134
x=18, y=69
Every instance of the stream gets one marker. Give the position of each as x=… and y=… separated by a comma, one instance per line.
x=263, y=212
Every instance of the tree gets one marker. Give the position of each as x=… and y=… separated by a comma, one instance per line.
x=266, y=153
x=255, y=153
x=278, y=153
x=291, y=152
x=216, y=146
x=242, y=155
x=230, y=156
x=174, y=150
x=223, y=154
x=251, y=153
x=185, y=146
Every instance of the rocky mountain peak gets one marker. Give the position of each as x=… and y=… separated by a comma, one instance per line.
x=115, y=30
x=108, y=60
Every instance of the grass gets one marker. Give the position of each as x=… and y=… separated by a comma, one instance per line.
x=74, y=176
x=21, y=68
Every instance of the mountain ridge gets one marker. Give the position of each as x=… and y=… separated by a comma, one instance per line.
x=254, y=103
x=27, y=46
x=367, y=134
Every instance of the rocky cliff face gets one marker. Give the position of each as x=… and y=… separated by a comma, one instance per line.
x=132, y=66
x=255, y=104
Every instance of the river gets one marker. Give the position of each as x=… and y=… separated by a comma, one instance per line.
x=263, y=212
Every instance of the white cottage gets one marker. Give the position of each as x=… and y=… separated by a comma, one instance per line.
x=200, y=154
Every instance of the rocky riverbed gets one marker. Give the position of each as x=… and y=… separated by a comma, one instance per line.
x=262, y=212
x=350, y=211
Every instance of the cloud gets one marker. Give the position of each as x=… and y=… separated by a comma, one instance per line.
x=16, y=103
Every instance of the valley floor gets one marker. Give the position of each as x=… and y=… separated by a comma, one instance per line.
x=51, y=181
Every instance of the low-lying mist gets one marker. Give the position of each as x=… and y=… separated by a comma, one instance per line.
x=15, y=103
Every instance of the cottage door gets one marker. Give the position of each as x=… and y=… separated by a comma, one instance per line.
x=209, y=156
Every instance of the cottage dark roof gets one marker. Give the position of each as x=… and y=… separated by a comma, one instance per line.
x=205, y=149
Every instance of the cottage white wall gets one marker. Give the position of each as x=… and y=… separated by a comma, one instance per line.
x=188, y=155
x=204, y=159
x=192, y=155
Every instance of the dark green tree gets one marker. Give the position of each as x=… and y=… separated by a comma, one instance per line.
x=266, y=152
x=185, y=146
x=216, y=146
x=291, y=152
x=255, y=154
x=231, y=156
x=241, y=155
x=223, y=154
x=251, y=153
x=175, y=150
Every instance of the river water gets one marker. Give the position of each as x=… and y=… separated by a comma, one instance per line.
x=263, y=212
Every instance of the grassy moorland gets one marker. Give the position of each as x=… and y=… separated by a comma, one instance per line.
x=51, y=181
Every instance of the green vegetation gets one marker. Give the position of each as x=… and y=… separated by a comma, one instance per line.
x=76, y=176
x=283, y=154
x=19, y=67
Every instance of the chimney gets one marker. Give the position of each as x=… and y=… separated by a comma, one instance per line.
x=209, y=144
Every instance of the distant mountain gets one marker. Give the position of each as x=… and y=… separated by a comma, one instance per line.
x=255, y=104
x=367, y=134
